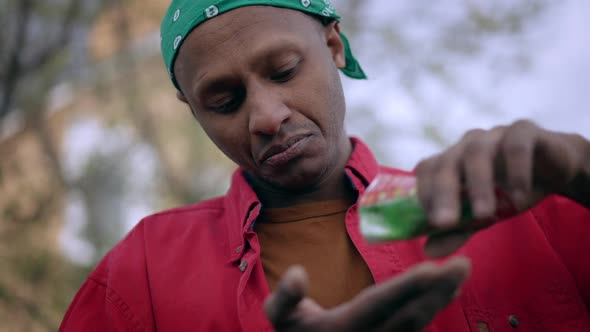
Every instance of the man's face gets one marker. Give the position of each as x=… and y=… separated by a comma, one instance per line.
x=263, y=83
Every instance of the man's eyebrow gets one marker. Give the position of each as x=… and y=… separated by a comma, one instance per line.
x=276, y=49
x=206, y=80
x=199, y=81
x=200, y=77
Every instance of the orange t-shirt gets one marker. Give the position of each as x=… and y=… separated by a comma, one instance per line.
x=313, y=235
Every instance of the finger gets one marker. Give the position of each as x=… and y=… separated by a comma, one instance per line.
x=424, y=182
x=478, y=168
x=517, y=149
x=416, y=315
x=290, y=290
x=557, y=159
x=377, y=304
x=445, y=192
x=444, y=245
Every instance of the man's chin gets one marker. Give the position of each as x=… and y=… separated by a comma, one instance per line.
x=295, y=185
x=290, y=181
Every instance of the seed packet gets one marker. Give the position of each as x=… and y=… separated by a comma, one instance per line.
x=390, y=210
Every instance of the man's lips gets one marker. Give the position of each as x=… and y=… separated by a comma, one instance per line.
x=281, y=153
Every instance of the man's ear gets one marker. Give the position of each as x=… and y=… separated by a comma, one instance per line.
x=335, y=44
x=180, y=96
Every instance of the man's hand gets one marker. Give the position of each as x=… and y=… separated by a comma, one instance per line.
x=524, y=161
x=406, y=303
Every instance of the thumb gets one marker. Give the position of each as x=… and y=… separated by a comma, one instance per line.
x=290, y=290
x=441, y=245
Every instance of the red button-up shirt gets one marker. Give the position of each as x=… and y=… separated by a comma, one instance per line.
x=198, y=268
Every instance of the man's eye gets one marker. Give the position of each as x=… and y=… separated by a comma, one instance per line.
x=225, y=105
x=227, y=102
x=283, y=75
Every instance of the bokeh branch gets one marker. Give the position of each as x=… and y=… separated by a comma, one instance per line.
x=11, y=73
x=142, y=119
x=45, y=55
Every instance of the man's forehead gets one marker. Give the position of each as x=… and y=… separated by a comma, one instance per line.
x=183, y=16
x=209, y=53
x=259, y=21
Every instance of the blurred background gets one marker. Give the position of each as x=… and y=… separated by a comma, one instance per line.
x=92, y=138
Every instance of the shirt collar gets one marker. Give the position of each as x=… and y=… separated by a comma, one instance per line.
x=243, y=205
x=362, y=165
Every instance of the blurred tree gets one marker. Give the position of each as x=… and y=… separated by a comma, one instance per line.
x=50, y=52
x=36, y=35
x=34, y=277
x=143, y=121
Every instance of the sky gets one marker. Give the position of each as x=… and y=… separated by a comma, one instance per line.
x=553, y=90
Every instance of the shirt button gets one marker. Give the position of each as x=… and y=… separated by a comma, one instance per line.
x=513, y=320
x=243, y=266
x=239, y=249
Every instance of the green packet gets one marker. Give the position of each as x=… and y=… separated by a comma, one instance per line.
x=389, y=210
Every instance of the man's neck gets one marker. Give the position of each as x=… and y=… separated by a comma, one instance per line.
x=338, y=188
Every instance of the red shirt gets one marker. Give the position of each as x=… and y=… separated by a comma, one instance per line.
x=198, y=268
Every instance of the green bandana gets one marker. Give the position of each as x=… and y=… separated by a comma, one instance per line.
x=184, y=15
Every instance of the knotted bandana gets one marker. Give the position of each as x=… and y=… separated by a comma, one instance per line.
x=185, y=15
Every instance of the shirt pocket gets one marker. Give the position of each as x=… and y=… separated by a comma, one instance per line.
x=545, y=315
x=519, y=283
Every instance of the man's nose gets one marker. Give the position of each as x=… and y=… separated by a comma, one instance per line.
x=268, y=111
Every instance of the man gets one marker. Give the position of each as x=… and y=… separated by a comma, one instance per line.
x=282, y=250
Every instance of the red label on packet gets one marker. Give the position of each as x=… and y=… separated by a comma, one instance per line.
x=387, y=188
